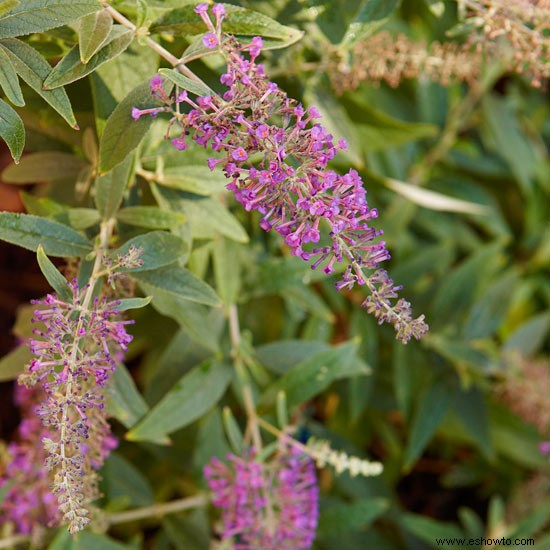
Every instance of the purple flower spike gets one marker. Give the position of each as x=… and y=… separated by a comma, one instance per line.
x=266, y=505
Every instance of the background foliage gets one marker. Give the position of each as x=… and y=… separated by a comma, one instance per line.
x=452, y=418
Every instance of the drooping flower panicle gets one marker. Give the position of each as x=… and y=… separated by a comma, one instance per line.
x=276, y=156
x=269, y=505
x=76, y=348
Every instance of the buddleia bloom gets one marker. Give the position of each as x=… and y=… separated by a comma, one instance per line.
x=275, y=155
x=29, y=501
x=76, y=345
x=268, y=505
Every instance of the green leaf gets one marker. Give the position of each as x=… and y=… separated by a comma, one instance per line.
x=371, y=15
x=124, y=401
x=429, y=529
x=93, y=32
x=12, y=130
x=185, y=83
x=151, y=217
x=33, y=69
x=159, y=249
x=193, y=318
x=279, y=357
x=471, y=408
x=310, y=377
x=530, y=336
x=433, y=200
x=44, y=166
x=233, y=432
x=33, y=16
x=339, y=518
x=431, y=410
x=110, y=187
x=180, y=282
x=194, y=179
x=9, y=81
x=207, y=217
x=227, y=270
x=123, y=480
x=71, y=68
x=7, y=5
x=239, y=21
x=85, y=540
x=13, y=363
x=132, y=303
x=31, y=231
x=122, y=134
x=195, y=393
x=53, y=276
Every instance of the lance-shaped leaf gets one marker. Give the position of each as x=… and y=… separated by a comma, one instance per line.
x=159, y=248
x=33, y=69
x=150, y=216
x=7, y=5
x=9, y=81
x=31, y=231
x=110, y=187
x=93, y=32
x=312, y=376
x=369, y=17
x=71, y=68
x=194, y=394
x=178, y=281
x=13, y=364
x=185, y=83
x=53, y=276
x=33, y=16
x=44, y=166
x=122, y=133
x=12, y=130
x=240, y=21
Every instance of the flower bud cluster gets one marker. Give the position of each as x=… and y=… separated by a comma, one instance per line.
x=275, y=154
x=324, y=455
x=29, y=503
x=272, y=504
x=76, y=346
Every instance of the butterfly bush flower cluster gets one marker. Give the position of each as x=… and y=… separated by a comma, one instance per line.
x=77, y=344
x=29, y=501
x=275, y=155
x=269, y=505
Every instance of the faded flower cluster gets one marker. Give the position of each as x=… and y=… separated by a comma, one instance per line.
x=513, y=32
x=275, y=154
x=272, y=504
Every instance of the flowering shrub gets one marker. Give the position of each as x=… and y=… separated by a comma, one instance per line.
x=200, y=369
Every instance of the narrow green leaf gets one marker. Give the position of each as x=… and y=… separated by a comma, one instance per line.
x=41, y=15
x=78, y=218
x=194, y=179
x=122, y=133
x=71, y=68
x=530, y=336
x=13, y=364
x=179, y=282
x=281, y=356
x=9, y=81
x=159, y=249
x=132, y=303
x=53, y=276
x=433, y=200
x=310, y=377
x=227, y=270
x=186, y=83
x=44, y=166
x=151, y=217
x=7, y=5
x=12, y=130
x=341, y=518
x=93, y=32
x=110, y=187
x=233, y=432
x=124, y=401
x=431, y=410
x=429, y=529
x=240, y=21
x=31, y=231
x=371, y=15
x=33, y=69
x=195, y=393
